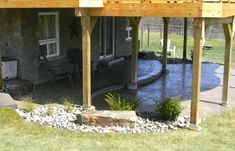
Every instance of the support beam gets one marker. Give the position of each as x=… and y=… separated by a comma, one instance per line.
x=165, y=43
x=185, y=38
x=93, y=23
x=227, y=61
x=216, y=21
x=199, y=29
x=135, y=49
x=86, y=60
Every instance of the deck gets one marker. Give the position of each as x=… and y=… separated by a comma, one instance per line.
x=161, y=8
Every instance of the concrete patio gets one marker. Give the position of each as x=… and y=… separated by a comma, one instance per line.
x=106, y=79
x=178, y=83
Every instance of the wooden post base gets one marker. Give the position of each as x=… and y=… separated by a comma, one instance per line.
x=165, y=71
x=195, y=127
x=132, y=86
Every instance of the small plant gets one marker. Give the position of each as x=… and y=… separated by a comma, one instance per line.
x=68, y=103
x=49, y=111
x=169, y=109
x=29, y=106
x=118, y=103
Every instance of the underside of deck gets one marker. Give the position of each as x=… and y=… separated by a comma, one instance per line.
x=161, y=8
x=138, y=8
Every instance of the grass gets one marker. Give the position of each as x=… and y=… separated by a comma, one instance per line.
x=68, y=103
x=15, y=133
x=215, y=55
x=28, y=105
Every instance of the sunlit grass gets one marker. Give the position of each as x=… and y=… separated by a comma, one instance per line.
x=16, y=134
x=215, y=55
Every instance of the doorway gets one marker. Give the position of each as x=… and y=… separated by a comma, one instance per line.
x=107, y=37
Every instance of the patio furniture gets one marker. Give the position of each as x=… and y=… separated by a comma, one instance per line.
x=208, y=47
x=169, y=49
x=74, y=56
x=58, y=71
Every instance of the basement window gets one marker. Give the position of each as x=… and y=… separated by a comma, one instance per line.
x=128, y=30
x=49, y=34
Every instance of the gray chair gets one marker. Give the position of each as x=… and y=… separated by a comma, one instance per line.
x=57, y=71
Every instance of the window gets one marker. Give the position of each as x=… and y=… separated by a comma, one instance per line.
x=128, y=30
x=49, y=34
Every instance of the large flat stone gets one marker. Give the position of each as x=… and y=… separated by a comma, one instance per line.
x=108, y=118
x=7, y=101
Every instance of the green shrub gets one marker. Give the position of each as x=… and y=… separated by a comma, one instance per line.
x=118, y=103
x=28, y=104
x=49, y=111
x=68, y=103
x=169, y=108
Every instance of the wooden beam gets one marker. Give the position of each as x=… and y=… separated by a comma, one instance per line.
x=199, y=29
x=134, y=50
x=227, y=61
x=165, y=43
x=81, y=12
x=212, y=10
x=86, y=60
x=39, y=4
x=93, y=23
x=216, y=21
x=146, y=9
x=185, y=38
x=228, y=9
x=91, y=3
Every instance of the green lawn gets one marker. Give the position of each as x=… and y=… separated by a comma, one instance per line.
x=216, y=55
x=16, y=134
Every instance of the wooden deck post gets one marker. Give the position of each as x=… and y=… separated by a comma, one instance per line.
x=199, y=29
x=165, y=43
x=227, y=61
x=135, y=49
x=86, y=60
x=185, y=38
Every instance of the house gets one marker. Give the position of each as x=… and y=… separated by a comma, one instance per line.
x=27, y=15
x=26, y=33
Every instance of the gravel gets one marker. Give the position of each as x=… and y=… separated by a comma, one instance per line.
x=62, y=119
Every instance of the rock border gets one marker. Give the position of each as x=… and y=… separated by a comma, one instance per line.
x=63, y=119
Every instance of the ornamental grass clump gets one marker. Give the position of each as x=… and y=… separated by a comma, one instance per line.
x=68, y=103
x=28, y=104
x=169, y=109
x=49, y=111
x=117, y=102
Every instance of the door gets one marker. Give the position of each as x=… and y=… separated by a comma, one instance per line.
x=107, y=32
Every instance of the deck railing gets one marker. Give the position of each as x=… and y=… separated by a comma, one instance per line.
x=168, y=1
x=150, y=1
x=219, y=1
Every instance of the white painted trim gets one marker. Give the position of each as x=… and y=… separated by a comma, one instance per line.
x=53, y=40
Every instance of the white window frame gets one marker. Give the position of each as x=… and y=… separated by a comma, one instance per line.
x=128, y=31
x=52, y=40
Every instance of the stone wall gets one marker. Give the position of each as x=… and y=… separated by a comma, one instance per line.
x=19, y=40
x=10, y=33
x=123, y=47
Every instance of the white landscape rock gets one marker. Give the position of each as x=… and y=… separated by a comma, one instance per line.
x=63, y=119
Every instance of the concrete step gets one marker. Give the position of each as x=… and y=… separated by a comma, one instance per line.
x=7, y=101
